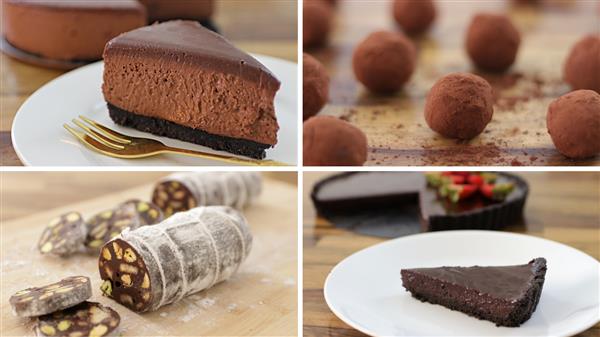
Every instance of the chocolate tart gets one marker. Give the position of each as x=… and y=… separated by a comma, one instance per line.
x=180, y=80
x=364, y=195
x=505, y=295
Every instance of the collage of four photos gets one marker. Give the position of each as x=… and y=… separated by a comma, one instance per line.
x=299, y=168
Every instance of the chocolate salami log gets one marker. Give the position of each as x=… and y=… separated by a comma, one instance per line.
x=182, y=191
x=152, y=266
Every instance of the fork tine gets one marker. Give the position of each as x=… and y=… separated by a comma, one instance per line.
x=112, y=134
x=92, y=143
x=75, y=133
x=99, y=137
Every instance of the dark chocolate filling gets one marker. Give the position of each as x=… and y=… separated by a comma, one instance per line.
x=161, y=127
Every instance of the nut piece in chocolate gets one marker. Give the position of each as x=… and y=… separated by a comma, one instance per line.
x=85, y=319
x=148, y=212
x=37, y=301
x=64, y=235
x=108, y=224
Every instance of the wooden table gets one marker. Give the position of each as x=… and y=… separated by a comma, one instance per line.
x=259, y=26
x=395, y=127
x=563, y=207
x=261, y=299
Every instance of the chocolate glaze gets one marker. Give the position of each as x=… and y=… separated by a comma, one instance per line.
x=505, y=295
x=189, y=42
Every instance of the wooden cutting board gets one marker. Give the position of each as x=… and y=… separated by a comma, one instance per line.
x=395, y=126
x=261, y=299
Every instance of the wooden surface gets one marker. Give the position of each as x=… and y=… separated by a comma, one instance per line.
x=259, y=26
x=261, y=299
x=563, y=207
x=395, y=126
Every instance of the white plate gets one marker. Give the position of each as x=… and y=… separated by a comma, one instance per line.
x=39, y=138
x=365, y=289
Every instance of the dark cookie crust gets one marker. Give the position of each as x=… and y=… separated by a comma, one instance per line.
x=169, y=129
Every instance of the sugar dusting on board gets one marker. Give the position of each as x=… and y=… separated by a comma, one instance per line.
x=197, y=305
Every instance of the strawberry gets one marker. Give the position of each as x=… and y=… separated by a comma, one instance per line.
x=455, y=179
x=497, y=191
x=459, y=192
x=476, y=179
x=481, y=178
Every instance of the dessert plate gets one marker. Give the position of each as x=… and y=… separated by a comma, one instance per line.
x=365, y=289
x=40, y=140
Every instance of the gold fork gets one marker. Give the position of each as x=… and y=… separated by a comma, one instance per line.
x=109, y=142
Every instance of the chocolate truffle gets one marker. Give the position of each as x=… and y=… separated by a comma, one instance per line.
x=414, y=16
x=582, y=68
x=315, y=86
x=459, y=105
x=316, y=23
x=384, y=61
x=492, y=42
x=573, y=122
x=329, y=141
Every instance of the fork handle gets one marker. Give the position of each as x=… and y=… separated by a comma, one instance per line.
x=224, y=158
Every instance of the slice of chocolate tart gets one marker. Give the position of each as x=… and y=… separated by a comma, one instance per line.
x=505, y=295
x=180, y=80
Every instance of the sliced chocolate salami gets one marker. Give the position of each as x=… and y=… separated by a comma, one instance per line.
x=64, y=235
x=85, y=319
x=63, y=294
x=183, y=191
x=108, y=224
x=152, y=266
x=148, y=212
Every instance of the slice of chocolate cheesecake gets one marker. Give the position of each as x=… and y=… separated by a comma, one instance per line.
x=180, y=80
x=505, y=295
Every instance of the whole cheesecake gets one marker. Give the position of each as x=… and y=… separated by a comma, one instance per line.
x=68, y=30
x=180, y=80
x=163, y=10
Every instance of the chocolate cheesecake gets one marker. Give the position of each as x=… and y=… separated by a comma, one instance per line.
x=180, y=80
x=505, y=295
x=68, y=30
x=163, y=10
x=374, y=193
